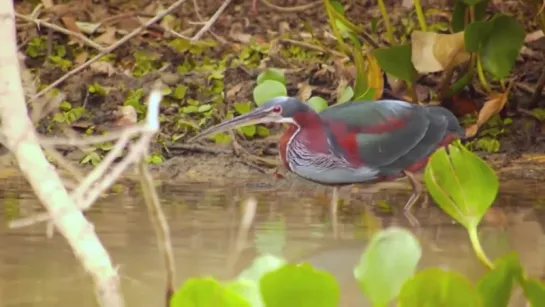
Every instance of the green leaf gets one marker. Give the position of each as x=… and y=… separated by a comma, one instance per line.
x=180, y=91
x=534, y=291
x=502, y=47
x=461, y=183
x=317, y=103
x=396, y=61
x=261, y=266
x=204, y=108
x=248, y=131
x=299, y=285
x=436, y=287
x=273, y=74
x=369, y=95
x=360, y=85
x=204, y=292
x=222, y=138
x=476, y=34
x=347, y=94
x=65, y=106
x=267, y=90
x=247, y=282
x=471, y=2
x=262, y=131
x=389, y=260
x=190, y=109
x=496, y=286
x=243, y=107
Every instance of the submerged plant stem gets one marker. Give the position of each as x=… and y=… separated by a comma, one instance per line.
x=420, y=15
x=389, y=29
x=474, y=238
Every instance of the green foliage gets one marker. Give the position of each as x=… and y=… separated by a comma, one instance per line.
x=206, y=292
x=67, y=114
x=299, y=285
x=273, y=74
x=96, y=88
x=144, y=63
x=496, y=286
x=155, y=158
x=268, y=89
x=389, y=260
x=461, y=183
x=37, y=47
x=317, y=103
x=396, y=61
x=437, y=287
x=464, y=186
x=134, y=99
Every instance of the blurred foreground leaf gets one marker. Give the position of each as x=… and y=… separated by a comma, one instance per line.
x=396, y=61
x=206, y=292
x=496, y=286
x=299, y=285
x=389, y=260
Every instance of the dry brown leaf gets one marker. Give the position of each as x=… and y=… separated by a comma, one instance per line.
x=374, y=76
x=81, y=58
x=305, y=91
x=534, y=36
x=127, y=117
x=103, y=67
x=233, y=91
x=237, y=34
x=471, y=130
x=434, y=52
x=492, y=106
x=108, y=37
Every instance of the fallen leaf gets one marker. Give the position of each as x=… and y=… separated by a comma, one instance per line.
x=81, y=58
x=127, y=116
x=108, y=37
x=233, y=91
x=492, y=106
x=434, y=52
x=375, y=78
x=305, y=91
x=534, y=36
x=103, y=67
x=471, y=130
x=462, y=106
x=237, y=34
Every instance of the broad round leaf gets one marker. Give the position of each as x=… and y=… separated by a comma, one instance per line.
x=247, y=282
x=476, y=33
x=299, y=285
x=458, y=22
x=461, y=183
x=396, y=61
x=347, y=94
x=389, y=260
x=436, y=287
x=496, y=286
x=206, y=292
x=534, y=291
x=502, y=47
x=317, y=103
x=268, y=90
x=261, y=266
x=273, y=74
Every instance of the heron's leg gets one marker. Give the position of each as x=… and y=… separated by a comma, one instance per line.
x=334, y=209
x=417, y=191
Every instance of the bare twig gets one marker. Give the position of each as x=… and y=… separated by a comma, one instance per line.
x=211, y=21
x=160, y=224
x=293, y=9
x=90, y=140
x=109, y=49
x=44, y=23
x=22, y=141
x=89, y=190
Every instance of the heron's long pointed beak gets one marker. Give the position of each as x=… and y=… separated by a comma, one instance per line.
x=256, y=116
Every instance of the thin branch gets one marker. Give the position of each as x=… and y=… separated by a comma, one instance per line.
x=52, y=26
x=293, y=9
x=159, y=222
x=211, y=21
x=90, y=140
x=109, y=49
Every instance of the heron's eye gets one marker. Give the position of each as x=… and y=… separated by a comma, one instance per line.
x=277, y=109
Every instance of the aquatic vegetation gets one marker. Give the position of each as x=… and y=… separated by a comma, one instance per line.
x=463, y=186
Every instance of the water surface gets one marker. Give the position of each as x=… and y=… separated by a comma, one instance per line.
x=204, y=221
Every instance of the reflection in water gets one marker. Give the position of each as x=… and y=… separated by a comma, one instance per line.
x=35, y=271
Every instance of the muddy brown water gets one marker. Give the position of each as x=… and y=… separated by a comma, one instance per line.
x=204, y=220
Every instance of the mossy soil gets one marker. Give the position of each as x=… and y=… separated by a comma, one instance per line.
x=221, y=70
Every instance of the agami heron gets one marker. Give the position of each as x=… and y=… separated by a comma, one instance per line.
x=355, y=142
